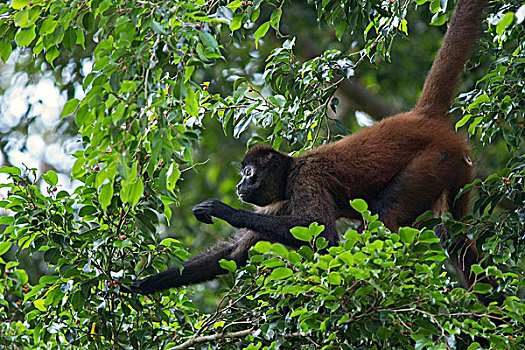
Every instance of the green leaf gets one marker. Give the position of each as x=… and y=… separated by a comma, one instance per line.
x=168, y=242
x=229, y=265
x=482, y=288
x=10, y=170
x=33, y=292
x=335, y=278
x=70, y=107
x=136, y=191
x=191, y=104
x=208, y=40
x=504, y=23
x=83, y=116
x=172, y=176
x=316, y=229
x=280, y=273
x=351, y=237
x=476, y=269
x=50, y=177
x=188, y=73
x=275, y=19
x=375, y=245
x=347, y=258
x=21, y=19
x=384, y=333
x=359, y=205
x=260, y=32
x=39, y=304
x=438, y=19
x=474, y=346
x=428, y=236
x=236, y=22
x=120, y=109
x=403, y=26
x=87, y=210
x=25, y=36
x=70, y=38
x=407, y=234
x=80, y=38
x=321, y=243
x=22, y=276
x=463, y=121
x=101, y=63
x=4, y=247
x=262, y=247
x=124, y=193
x=48, y=279
x=166, y=201
x=51, y=54
x=474, y=124
x=105, y=195
x=302, y=233
x=306, y=252
x=5, y=50
x=6, y=220
x=19, y=4
x=435, y=5
x=157, y=27
x=128, y=86
x=483, y=98
x=238, y=82
x=255, y=14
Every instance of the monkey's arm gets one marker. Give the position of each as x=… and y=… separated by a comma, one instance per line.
x=275, y=228
x=202, y=267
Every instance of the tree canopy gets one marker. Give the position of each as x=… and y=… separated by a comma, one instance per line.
x=159, y=100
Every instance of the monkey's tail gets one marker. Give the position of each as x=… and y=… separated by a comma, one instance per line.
x=440, y=84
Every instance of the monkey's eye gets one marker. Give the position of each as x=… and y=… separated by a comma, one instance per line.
x=248, y=171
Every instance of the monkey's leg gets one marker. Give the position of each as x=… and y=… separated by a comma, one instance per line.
x=202, y=267
x=463, y=253
x=416, y=188
x=430, y=182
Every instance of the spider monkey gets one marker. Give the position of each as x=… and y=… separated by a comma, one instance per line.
x=403, y=166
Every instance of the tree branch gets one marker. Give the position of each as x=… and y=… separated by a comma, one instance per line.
x=356, y=95
x=212, y=337
x=362, y=99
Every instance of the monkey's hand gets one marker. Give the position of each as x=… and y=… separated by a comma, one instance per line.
x=212, y=208
x=141, y=287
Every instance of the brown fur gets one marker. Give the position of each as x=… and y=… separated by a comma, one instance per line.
x=402, y=166
x=407, y=148
x=450, y=59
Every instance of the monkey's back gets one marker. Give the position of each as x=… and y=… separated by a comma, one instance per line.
x=364, y=163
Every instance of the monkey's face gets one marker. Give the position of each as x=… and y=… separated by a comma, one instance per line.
x=264, y=176
x=258, y=186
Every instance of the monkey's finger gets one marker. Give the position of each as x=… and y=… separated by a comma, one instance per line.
x=200, y=212
x=126, y=290
x=141, y=287
x=206, y=219
x=202, y=217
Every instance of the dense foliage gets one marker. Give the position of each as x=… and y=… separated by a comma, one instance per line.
x=161, y=72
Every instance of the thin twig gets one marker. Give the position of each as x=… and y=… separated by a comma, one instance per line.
x=212, y=337
x=194, y=165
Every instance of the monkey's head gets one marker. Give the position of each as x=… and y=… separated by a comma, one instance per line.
x=264, y=174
